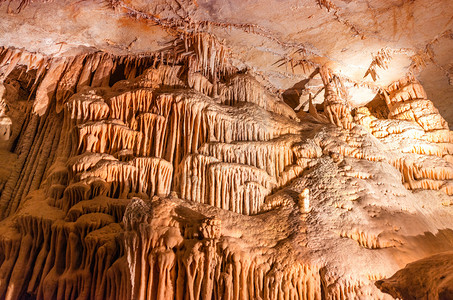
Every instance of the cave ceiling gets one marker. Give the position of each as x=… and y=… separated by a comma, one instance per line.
x=281, y=42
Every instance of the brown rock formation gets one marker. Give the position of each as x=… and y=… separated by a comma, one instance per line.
x=426, y=278
x=180, y=172
x=241, y=170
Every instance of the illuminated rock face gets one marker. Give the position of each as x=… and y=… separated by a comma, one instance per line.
x=169, y=185
x=170, y=166
x=429, y=277
x=417, y=130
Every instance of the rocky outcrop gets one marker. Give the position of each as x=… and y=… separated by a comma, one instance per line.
x=188, y=183
x=416, y=130
x=426, y=278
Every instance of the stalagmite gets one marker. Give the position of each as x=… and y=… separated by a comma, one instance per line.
x=304, y=201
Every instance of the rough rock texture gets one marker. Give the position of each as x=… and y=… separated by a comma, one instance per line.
x=429, y=278
x=147, y=188
x=138, y=169
x=371, y=44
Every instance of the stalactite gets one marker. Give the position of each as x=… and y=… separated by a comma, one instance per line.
x=235, y=124
x=232, y=185
x=171, y=125
x=204, y=53
x=337, y=109
x=107, y=137
x=200, y=83
x=154, y=129
x=10, y=187
x=186, y=130
x=48, y=86
x=62, y=77
x=417, y=132
x=85, y=161
x=380, y=60
x=5, y=123
x=368, y=240
x=13, y=57
x=162, y=75
x=241, y=159
x=244, y=88
x=152, y=176
x=272, y=156
x=68, y=83
x=187, y=261
x=102, y=71
x=193, y=179
x=290, y=173
x=126, y=105
x=400, y=135
x=86, y=107
x=29, y=174
x=236, y=187
x=407, y=100
x=427, y=172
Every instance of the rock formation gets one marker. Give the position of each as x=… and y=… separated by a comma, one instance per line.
x=180, y=174
x=426, y=278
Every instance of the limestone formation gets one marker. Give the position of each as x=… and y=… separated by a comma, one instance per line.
x=72, y=230
x=426, y=278
x=183, y=171
x=416, y=130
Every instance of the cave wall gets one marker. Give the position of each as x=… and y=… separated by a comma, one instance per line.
x=181, y=173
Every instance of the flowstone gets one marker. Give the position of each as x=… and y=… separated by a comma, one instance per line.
x=170, y=185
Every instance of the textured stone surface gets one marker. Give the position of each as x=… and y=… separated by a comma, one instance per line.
x=282, y=41
x=426, y=278
x=150, y=189
x=225, y=150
